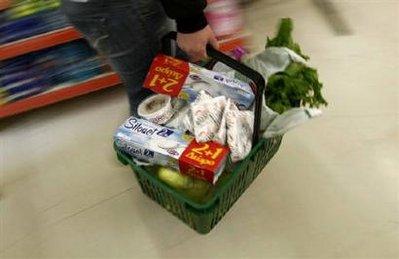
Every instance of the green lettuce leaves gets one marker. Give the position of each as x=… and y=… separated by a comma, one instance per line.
x=298, y=85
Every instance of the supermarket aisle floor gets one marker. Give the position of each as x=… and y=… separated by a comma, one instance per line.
x=331, y=191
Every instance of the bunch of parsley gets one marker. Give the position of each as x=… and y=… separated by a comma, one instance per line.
x=298, y=85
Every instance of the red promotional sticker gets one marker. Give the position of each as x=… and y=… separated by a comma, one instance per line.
x=167, y=75
x=202, y=160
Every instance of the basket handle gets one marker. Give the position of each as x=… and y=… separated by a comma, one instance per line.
x=257, y=84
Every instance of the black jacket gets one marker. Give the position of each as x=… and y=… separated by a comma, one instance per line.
x=189, y=14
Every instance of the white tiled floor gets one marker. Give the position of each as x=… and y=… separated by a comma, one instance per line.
x=332, y=191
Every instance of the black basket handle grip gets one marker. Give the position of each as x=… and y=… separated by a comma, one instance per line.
x=258, y=82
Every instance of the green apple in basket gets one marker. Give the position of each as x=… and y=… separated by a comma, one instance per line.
x=195, y=189
x=173, y=178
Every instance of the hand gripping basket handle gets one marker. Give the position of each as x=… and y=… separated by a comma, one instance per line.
x=258, y=82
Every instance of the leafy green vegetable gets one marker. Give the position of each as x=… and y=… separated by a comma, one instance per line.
x=284, y=38
x=298, y=85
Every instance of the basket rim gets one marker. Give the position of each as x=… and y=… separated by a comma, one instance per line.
x=203, y=207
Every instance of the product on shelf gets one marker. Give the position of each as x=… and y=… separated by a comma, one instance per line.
x=40, y=71
x=225, y=18
x=28, y=18
x=35, y=64
x=23, y=8
x=32, y=25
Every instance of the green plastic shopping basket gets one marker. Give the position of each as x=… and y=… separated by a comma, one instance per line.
x=202, y=217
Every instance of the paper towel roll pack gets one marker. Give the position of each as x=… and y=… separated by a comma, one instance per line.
x=164, y=146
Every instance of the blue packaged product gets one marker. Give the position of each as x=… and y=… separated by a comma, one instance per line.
x=16, y=77
x=20, y=24
x=78, y=71
x=24, y=85
x=20, y=63
x=23, y=89
x=22, y=28
x=151, y=143
x=55, y=20
x=32, y=25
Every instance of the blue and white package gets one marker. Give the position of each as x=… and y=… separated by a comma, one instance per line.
x=151, y=143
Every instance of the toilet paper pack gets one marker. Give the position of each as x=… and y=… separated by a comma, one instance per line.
x=177, y=78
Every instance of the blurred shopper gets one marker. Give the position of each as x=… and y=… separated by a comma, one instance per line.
x=128, y=33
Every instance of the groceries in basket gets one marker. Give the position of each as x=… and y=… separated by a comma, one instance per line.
x=164, y=146
x=216, y=110
x=218, y=119
x=177, y=78
x=292, y=98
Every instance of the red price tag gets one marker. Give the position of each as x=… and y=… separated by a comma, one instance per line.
x=203, y=160
x=167, y=75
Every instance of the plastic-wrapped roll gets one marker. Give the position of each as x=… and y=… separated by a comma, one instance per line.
x=207, y=117
x=157, y=109
x=239, y=131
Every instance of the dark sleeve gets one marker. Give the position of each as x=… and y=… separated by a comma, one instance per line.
x=189, y=14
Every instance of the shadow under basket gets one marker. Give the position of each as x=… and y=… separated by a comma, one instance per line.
x=202, y=217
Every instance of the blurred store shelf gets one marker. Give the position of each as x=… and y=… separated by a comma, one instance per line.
x=38, y=42
x=60, y=93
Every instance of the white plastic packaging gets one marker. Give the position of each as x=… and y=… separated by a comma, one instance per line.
x=207, y=115
x=239, y=131
x=289, y=120
x=156, y=109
